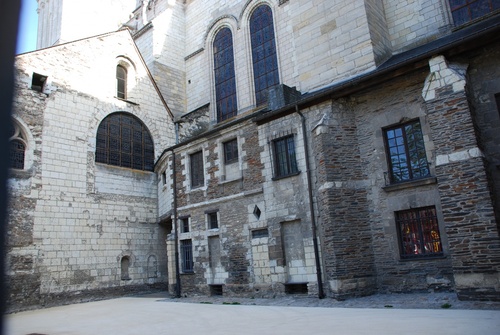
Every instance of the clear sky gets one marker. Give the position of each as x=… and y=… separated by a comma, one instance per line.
x=28, y=23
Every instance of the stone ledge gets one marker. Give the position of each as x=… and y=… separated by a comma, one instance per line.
x=410, y=184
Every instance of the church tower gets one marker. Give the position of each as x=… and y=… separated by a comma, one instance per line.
x=61, y=21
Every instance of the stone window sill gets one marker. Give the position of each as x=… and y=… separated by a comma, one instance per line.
x=222, y=182
x=410, y=184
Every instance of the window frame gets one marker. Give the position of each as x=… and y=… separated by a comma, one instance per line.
x=264, y=52
x=226, y=103
x=184, y=224
x=113, y=147
x=469, y=15
x=186, y=252
x=213, y=221
x=230, y=151
x=196, y=169
x=419, y=144
x=426, y=238
x=121, y=78
x=290, y=166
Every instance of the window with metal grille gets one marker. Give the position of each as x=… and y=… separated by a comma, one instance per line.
x=121, y=82
x=258, y=233
x=17, y=147
x=185, y=225
x=187, y=255
x=464, y=11
x=419, y=233
x=17, y=151
x=123, y=140
x=196, y=169
x=213, y=220
x=231, y=151
x=284, y=157
x=265, y=61
x=406, y=152
x=225, y=82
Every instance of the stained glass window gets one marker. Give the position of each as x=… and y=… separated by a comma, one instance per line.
x=265, y=62
x=464, y=11
x=419, y=233
x=123, y=140
x=225, y=83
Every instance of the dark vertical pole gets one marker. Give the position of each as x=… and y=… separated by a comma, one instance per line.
x=319, y=276
x=176, y=230
x=9, y=18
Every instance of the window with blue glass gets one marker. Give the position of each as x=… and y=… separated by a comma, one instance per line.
x=265, y=62
x=225, y=83
x=464, y=11
x=406, y=152
x=123, y=140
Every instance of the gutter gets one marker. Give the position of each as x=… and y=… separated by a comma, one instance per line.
x=319, y=276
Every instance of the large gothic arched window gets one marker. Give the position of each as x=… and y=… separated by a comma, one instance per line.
x=225, y=83
x=265, y=62
x=123, y=140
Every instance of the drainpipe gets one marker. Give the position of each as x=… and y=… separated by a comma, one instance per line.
x=177, y=274
x=321, y=293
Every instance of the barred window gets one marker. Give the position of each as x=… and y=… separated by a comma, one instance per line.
x=123, y=140
x=284, y=157
x=265, y=61
x=419, y=233
x=196, y=169
x=213, y=220
x=231, y=151
x=464, y=11
x=187, y=255
x=225, y=83
x=184, y=225
x=121, y=82
x=406, y=152
x=17, y=148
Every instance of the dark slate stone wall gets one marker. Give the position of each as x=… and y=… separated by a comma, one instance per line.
x=466, y=200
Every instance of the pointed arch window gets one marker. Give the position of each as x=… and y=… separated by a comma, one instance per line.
x=123, y=140
x=121, y=82
x=17, y=148
x=225, y=83
x=265, y=61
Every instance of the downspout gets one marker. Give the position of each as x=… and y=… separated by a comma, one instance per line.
x=177, y=273
x=321, y=293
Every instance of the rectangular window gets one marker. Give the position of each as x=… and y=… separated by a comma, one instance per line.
x=419, y=233
x=213, y=221
x=284, y=157
x=258, y=233
x=196, y=169
x=184, y=225
x=164, y=178
x=187, y=255
x=464, y=11
x=406, y=152
x=231, y=151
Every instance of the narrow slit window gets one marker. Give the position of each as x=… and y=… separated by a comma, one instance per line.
x=121, y=82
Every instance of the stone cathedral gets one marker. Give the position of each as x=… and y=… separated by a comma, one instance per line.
x=256, y=148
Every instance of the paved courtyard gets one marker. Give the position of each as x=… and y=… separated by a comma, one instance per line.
x=158, y=314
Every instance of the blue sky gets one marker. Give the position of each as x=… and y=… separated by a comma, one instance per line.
x=28, y=23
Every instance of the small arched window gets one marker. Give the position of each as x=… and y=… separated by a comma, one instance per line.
x=121, y=82
x=265, y=61
x=123, y=140
x=225, y=83
x=17, y=148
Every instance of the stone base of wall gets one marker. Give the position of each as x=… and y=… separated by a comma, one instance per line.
x=478, y=286
x=353, y=287
x=67, y=298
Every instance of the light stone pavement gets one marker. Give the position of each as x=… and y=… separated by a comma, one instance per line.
x=159, y=314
